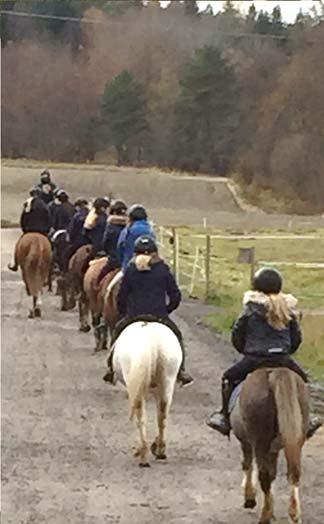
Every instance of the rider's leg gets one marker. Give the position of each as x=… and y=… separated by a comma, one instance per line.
x=120, y=326
x=219, y=420
x=184, y=377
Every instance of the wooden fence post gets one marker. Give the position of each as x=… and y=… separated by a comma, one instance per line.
x=207, y=267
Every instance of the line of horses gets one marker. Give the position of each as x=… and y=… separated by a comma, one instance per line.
x=272, y=411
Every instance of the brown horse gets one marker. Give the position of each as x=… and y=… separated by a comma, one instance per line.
x=33, y=253
x=272, y=414
x=71, y=285
x=111, y=314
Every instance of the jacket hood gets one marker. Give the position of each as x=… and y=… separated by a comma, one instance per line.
x=262, y=301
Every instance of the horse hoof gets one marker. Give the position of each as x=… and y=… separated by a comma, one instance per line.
x=85, y=329
x=250, y=503
x=38, y=312
x=31, y=314
x=144, y=465
x=161, y=456
x=154, y=449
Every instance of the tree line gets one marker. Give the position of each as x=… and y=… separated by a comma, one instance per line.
x=226, y=94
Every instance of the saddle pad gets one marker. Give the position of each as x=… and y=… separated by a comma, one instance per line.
x=96, y=260
x=234, y=397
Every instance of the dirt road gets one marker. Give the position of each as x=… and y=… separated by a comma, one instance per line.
x=67, y=438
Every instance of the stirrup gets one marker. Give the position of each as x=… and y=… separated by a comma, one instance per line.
x=220, y=423
x=184, y=379
x=109, y=377
x=12, y=267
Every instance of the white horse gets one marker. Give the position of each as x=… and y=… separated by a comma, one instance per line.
x=147, y=356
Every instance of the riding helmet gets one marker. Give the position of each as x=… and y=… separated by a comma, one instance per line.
x=137, y=212
x=56, y=192
x=45, y=176
x=267, y=280
x=145, y=245
x=35, y=191
x=101, y=202
x=62, y=196
x=80, y=202
x=118, y=207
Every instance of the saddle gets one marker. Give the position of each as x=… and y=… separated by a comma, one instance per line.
x=125, y=322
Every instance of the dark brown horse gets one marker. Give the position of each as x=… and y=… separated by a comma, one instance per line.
x=71, y=285
x=272, y=414
x=33, y=254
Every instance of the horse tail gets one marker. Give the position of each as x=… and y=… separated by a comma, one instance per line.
x=36, y=265
x=285, y=387
x=140, y=376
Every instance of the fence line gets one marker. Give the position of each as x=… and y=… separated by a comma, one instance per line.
x=192, y=269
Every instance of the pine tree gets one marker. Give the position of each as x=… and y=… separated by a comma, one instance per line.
x=124, y=114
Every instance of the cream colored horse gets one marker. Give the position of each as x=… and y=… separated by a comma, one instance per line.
x=147, y=356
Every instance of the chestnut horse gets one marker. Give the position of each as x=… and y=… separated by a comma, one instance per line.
x=33, y=253
x=271, y=414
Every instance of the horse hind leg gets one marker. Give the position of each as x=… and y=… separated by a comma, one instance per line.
x=294, y=469
x=83, y=315
x=35, y=312
x=267, y=468
x=248, y=481
x=142, y=449
x=158, y=447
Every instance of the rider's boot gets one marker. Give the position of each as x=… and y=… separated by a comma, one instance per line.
x=314, y=424
x=184, y=378
x=219, y=420
x=13, y=267
x=109, y=375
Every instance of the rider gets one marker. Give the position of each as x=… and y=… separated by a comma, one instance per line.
x=145, y=288
x=46, y=186
x=64, y=211
x=267, y=332
x=75, y=227
x=137, y=226
x=52, y=206
x=116, y=222
x=34, y=217
x=95, y=223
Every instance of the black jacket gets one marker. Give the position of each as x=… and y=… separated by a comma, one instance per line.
x=146, y=292
x=35, y=217
x=75, y=229
x=114, y=227
x=47, y=192
x=253, y=335
x=62, y=215
x=95, y=235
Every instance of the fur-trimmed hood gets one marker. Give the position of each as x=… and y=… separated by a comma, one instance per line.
x=261, y=299
x=117, y=220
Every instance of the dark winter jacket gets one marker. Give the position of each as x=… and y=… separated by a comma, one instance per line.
x=114, y=227
x=149, y=292
x=75, y=229
x=35, y=216
x=253, y=335
x=47, y=192
x=127, y=238
x=95, y=233
x=62, y=215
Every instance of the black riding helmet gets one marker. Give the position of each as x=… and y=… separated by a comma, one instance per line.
x=268, y=281
x=118, y=207
x=145, y=245
x=62, y=196
x=56, y=192
x=101, y=202
x=137, y=212
x=35, y=191
x=80, y=202
x=45, y=176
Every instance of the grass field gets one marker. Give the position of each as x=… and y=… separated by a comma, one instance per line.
x=229, y=280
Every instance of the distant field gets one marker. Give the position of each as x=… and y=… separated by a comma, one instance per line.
x=229, y=280
x=172, y=198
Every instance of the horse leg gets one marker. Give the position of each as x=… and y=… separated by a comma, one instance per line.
x=294, y=471
x=83, y=314
x=142, y=450
x=248, y=484
x=50, y=279
x=35, y=312
x=267, y=466
x=96, y=330
x=159, y=445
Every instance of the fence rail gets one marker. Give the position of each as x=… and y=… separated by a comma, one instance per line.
x=192, y=267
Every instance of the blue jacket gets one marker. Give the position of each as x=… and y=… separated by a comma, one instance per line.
x=153, y=292
x=75, y=229
x=127, y=238
x=114, y=227
x=95, y=235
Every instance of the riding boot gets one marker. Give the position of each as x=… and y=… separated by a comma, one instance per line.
x=220, y=420
x=109, y=375
x=183, y=376
x=314, y=424
x=13, y=267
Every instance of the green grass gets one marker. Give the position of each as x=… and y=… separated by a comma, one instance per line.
x=229, y=280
